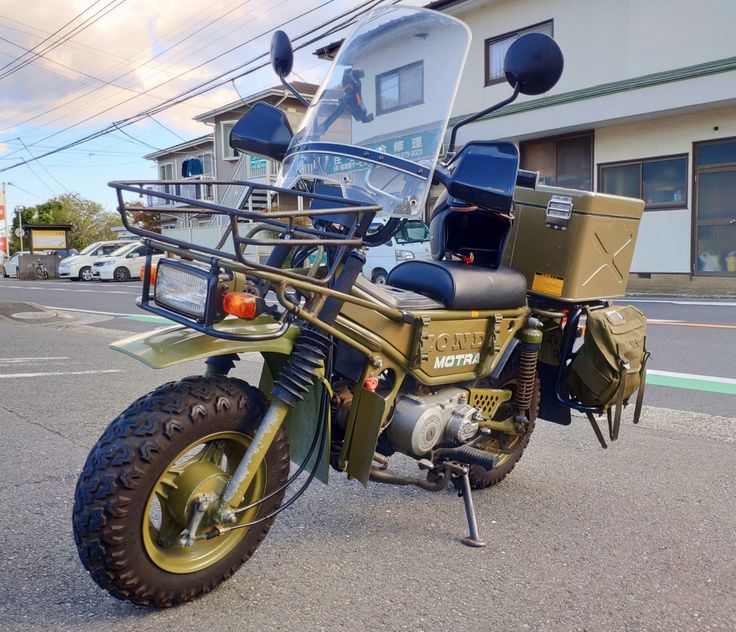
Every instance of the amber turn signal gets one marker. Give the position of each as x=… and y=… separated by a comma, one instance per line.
x=240, y=304
x=152, y=277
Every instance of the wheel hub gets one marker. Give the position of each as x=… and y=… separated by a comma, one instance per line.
x=197, y=480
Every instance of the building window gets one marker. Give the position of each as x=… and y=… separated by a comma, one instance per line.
x=400, y=88
x=496, y=48
x=228, y=153
x=660, y=182
x=562, y=161
x=165, y=172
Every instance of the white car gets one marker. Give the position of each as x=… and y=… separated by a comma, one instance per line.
x=411, y=242
x=11, y=267
x=123, y=264
x=79, y=267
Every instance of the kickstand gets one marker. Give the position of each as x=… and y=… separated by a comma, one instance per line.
x=474, y=538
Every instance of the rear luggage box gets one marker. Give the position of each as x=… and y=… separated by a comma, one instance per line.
x=573, y=246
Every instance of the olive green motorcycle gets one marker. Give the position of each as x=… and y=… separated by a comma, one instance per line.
x=450, y=363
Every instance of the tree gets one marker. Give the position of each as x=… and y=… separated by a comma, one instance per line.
x=89, y=219
x=145, y=219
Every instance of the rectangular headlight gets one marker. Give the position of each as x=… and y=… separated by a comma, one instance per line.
x=181, y=288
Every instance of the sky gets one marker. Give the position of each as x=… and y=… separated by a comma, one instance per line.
x=70, y=68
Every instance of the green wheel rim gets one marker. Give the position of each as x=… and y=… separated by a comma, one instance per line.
x=204, y=466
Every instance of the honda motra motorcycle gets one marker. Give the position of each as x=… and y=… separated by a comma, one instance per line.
x=451, y=362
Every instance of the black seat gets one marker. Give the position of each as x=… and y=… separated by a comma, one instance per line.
x=461, y=286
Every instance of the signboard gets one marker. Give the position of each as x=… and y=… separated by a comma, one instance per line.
x=48, y=239
x=410, y=147
x=3, y=245
x=2, y=206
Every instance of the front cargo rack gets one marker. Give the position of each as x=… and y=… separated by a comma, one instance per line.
x=310, y=221
x=342, y=222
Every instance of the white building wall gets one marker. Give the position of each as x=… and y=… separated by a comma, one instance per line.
x=602, y=40
x=665, y=235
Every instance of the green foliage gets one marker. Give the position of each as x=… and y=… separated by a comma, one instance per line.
x=90, y=221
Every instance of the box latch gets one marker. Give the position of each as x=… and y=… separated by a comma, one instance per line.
x=559, y=211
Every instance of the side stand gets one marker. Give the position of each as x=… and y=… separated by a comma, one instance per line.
x=467, y=495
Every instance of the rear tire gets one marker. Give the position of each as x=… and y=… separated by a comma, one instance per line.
x=481, y=478
x=167, y=447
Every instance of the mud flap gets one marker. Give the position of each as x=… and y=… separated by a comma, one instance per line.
x=550, y=408
x=363, y=428
x=301, y=422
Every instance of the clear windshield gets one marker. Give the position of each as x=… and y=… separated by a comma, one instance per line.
x=90, y=248
x=123, y=249
x=377, y=123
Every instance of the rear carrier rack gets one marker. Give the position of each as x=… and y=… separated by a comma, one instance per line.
x=313, y=223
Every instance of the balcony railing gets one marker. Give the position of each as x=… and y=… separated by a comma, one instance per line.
x=199, y=190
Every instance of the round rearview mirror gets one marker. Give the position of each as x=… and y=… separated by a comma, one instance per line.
x=533, y=63
x=282, y=56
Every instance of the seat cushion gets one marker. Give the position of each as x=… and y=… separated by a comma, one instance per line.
x=461, y=286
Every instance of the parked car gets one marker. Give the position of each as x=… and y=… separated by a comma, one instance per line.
x=78, y=267
x=11, y=267
x=123, y=264
x=411, y=242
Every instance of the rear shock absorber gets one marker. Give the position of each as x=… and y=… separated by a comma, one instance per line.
x=531, y=340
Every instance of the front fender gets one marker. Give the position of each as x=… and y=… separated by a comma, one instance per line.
x=168, y=346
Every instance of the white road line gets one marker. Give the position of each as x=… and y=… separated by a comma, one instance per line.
x=49, y=373
x=38, y=359
x=673, y=302
x=693, y=376
x=663, y=320
x=67, y=289
x=88, y=311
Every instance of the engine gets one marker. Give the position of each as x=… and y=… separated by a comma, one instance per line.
x=420, y=422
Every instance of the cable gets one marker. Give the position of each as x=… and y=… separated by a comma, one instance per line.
x=168, y=129
x=12, y=184
x=201, y=89
x=78, y=29
x=44, y=168
x=145, y=144
x=51, y=35
x=112, y=81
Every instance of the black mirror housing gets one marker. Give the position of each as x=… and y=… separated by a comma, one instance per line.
x=264, y=131
x=282, y=55
x=533, y=64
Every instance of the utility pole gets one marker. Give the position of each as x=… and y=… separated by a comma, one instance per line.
x=20, y=225
x=4, y=217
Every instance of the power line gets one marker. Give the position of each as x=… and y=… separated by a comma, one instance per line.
x=132, y=70
x=42, y=167
x=168, y=129
x=74, y=19
x=78, y=29
x=193, y=92
x=145, y=113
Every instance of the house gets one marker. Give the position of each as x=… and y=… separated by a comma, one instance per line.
x=644, y=108
x=217, y=161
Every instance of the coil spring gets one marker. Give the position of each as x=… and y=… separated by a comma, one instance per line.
x=302, y=368
x=527, y=377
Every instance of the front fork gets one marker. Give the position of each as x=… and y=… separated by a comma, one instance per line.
x=234, y=492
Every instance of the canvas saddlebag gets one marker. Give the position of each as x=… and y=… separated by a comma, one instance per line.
x=611, y=364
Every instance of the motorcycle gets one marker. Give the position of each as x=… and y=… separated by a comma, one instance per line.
x=451, y=363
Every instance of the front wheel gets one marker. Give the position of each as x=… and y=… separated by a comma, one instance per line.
x=85, y=274
x=121, y=274
x=140, y=483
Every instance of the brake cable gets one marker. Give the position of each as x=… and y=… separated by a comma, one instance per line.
x=319, y=432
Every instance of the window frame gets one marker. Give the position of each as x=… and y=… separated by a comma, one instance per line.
x=225, y=145
x=555, y=139
x=488, y=42
x=640, y=161
x=380, y=111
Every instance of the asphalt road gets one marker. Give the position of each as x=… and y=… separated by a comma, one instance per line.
x=638, y=537
x=686, y=337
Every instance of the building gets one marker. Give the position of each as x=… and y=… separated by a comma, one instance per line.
x=215, y=160
x=645, y=108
